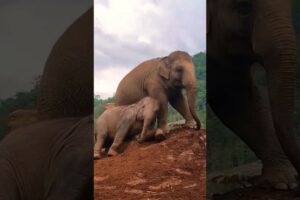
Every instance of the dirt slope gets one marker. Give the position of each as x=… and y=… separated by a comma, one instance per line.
x=170, y=170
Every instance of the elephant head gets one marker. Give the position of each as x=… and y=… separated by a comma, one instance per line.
x=179, y=71
x=260, y=31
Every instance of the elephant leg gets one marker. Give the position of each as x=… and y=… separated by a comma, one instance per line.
x=162, y=123
x=119, y=138
x=149, y=135
x=101, y=135
x=149, y=122
x=180, y=104
x=247, y=113
x=162, y=117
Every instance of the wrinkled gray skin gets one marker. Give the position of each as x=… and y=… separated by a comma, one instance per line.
x=52, y=159
x=119, y=122
x=244, y=37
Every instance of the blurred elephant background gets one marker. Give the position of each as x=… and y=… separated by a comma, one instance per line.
x=51, y=157
x=252, y=70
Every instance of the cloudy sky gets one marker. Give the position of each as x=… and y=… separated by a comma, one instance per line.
x=28, y=30
x=129, y=32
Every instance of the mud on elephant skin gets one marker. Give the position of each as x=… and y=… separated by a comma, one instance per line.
x=243, y=36
x=163, y=79
x=121, y=122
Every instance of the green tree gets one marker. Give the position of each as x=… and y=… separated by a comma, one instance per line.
x=21, y=100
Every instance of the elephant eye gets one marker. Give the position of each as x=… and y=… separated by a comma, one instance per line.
x=244, y=7
x=179, y=69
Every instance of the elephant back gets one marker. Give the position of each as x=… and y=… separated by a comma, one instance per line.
x=66, y=87
x=131, y=88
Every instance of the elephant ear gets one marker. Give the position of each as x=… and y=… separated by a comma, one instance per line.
x=164, y=68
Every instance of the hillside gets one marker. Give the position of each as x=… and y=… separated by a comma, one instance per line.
x=172, y=169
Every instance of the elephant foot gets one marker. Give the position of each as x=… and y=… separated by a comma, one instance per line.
x=97, y=155
x=139, y=139
x=112, y=152
x=190, y=124
x=278, y=176
x=160, y=135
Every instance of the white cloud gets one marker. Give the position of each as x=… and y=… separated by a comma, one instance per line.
x=129, y=32
x=108, y=80
x=122, y=18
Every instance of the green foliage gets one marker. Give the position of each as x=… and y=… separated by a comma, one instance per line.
x=21, y=100
x=99, y=104
x=224, y=150
x=200, y=64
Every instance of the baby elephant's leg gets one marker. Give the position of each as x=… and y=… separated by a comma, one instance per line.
x=149, y=135
x=101, y=135
x=119, y=138
x=149, y=123
x=153, y=134
x=159, y=135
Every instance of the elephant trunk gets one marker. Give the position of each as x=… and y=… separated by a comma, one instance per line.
x=191, y=92
x=279, y=57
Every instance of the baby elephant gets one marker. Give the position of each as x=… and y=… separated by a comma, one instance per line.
x=119, y=122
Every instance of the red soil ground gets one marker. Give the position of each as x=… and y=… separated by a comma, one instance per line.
x=174, y=169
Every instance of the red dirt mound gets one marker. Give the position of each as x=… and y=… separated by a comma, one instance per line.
x=174, y=169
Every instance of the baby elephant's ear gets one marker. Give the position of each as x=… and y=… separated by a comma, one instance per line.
x=164, y=68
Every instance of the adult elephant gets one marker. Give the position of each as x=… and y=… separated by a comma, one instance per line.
x=244, y=37
x=53, y=158
x=163, y=79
